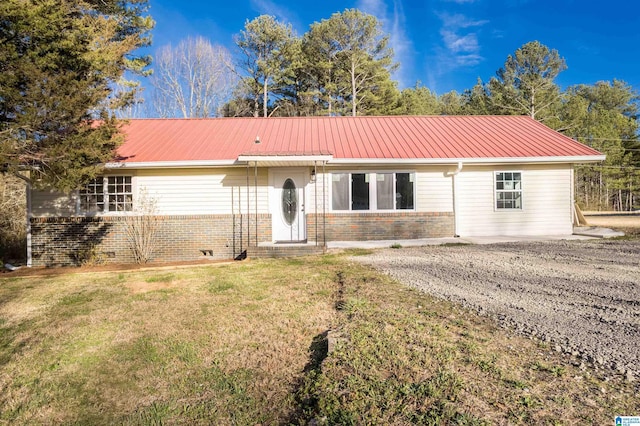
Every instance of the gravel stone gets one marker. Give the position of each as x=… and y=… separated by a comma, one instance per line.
x=582, y=296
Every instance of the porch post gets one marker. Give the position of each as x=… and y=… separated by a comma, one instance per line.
x=324, y=205
x=233, y=219
x=315, y=192
x=255, y=195
x=248, y=210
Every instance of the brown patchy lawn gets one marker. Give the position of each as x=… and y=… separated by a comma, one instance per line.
x=241, y=343
x=629, y=224
x=218, y=343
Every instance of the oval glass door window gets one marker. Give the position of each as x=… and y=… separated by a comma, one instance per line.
x=289, y=201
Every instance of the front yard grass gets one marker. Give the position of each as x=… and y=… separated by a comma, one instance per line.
x=246, y=343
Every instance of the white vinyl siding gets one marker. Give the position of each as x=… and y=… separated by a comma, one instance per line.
x=434, y=191
x=177, y=192
x=546, y=203
x=200, y=191
x=53, y=204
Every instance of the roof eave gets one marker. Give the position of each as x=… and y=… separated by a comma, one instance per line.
x=169, y=164
x=285, y=158
x=488, y=160
x=310, y=159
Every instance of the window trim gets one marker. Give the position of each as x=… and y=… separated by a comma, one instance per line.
x=105, y=210
x=496, y=191
x=373, y=195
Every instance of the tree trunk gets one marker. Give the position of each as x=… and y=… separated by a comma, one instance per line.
x=353, y=89
x=532, y=111
x=256, y=105
x=265, y=97
x=620, y=208
x=599, y=190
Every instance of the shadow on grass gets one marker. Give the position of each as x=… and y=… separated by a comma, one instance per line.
x=305, y=402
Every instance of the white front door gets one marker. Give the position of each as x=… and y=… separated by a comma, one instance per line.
x=287, y=207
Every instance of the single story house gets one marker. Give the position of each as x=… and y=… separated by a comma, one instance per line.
x=223, y=187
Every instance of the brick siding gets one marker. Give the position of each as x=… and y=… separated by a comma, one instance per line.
x=381, y=226
x=75, y=240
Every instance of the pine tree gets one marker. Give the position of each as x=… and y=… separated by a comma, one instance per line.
x=58, y=63
x=267, y=47
x=351, y=63
x=525, y=85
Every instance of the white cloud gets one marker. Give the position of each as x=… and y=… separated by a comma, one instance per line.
x=393, y=20
x=457, y=21
x=457, y=43
x=377, y=8
x=468, y=60
x=460, y=38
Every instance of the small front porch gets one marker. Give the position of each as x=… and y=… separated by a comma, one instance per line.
x=293, y=193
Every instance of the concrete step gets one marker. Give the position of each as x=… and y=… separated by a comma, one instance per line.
x=284, y=250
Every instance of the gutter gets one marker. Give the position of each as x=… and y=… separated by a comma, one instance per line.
x=170, y=164
x=454, y=186
x=475, y=161
x=330, y=160
x=29, y=214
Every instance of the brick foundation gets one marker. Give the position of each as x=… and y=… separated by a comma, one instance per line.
x=75, y=240
x=381, y=226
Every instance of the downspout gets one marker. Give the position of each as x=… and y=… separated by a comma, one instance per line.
x=575, y=221
x=28, y=193
x=453, y=175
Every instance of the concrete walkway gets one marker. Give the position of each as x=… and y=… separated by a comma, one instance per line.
x=580, y=233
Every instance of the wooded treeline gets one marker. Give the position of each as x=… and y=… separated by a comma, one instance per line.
x=343, y=65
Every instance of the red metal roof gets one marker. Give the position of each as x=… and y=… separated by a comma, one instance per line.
x=357, y=138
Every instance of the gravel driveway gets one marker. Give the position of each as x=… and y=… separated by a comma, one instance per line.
x=581, y=296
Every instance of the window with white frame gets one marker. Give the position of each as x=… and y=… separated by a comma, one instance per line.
x=372, y=191
x=508, y=190
x=107, y=194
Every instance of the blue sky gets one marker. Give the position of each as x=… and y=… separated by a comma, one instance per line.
x=445, y=44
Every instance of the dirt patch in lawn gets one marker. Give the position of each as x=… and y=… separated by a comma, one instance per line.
x=137, y=287
x=41, y=271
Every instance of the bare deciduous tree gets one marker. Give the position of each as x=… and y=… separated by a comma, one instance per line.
x=142, y=227
x=193, y=79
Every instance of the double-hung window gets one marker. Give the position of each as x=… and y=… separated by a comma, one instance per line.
x=372, y=191
x=107, y=194
x=508, y=190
